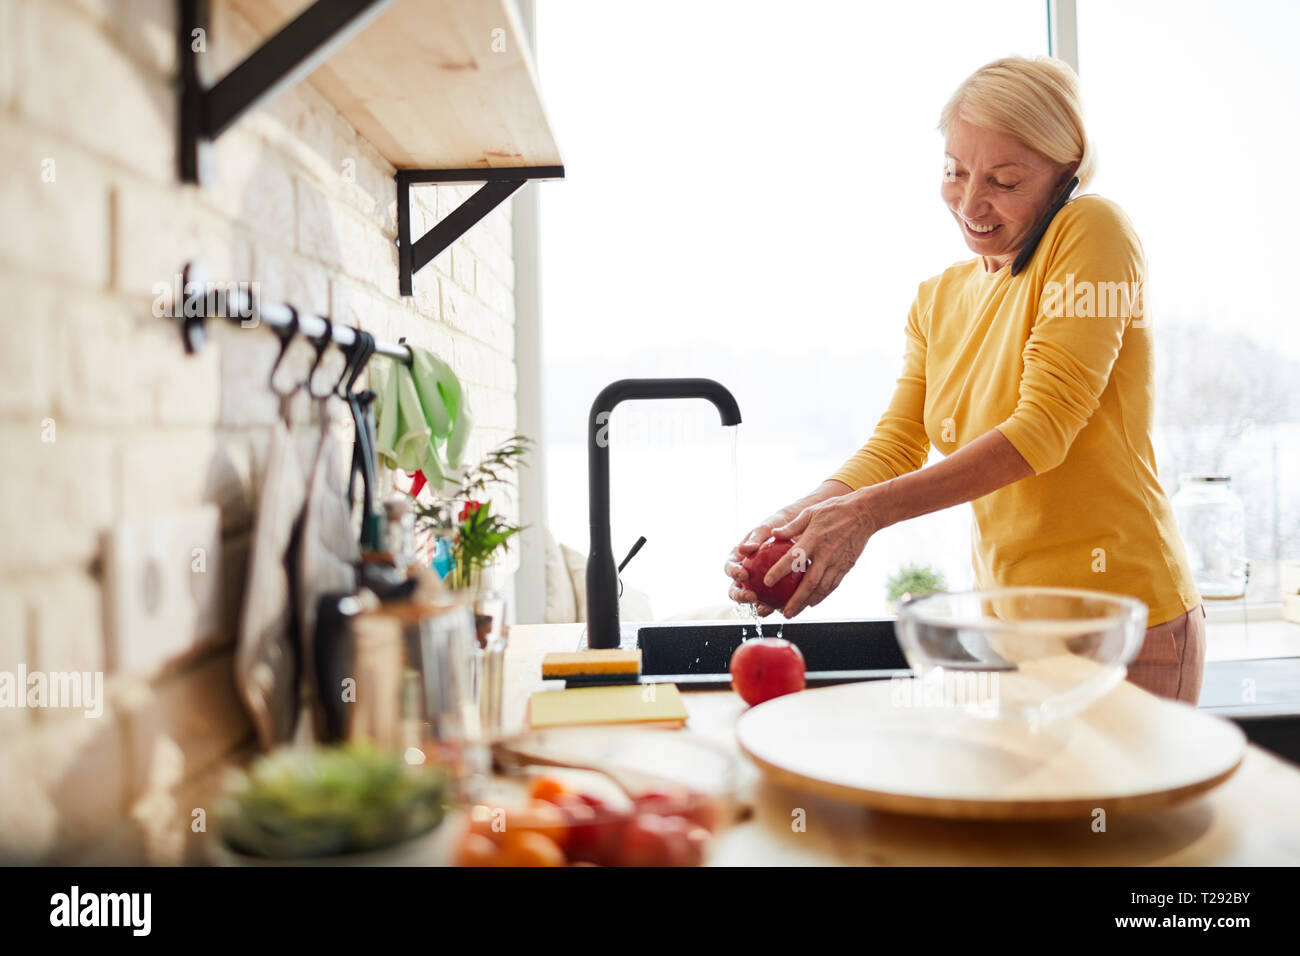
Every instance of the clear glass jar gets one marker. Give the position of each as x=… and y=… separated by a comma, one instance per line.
x=1212, y=520
x=489, y=677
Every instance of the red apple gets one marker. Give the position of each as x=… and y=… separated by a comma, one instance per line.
x=766, y=667
x=760, y=562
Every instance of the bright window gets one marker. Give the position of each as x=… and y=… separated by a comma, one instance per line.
x=1193, y=107
x=752, y=195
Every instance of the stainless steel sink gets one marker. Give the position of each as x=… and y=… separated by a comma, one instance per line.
x=696, y=654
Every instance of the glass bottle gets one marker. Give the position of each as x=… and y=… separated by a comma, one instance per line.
x=1212, y=520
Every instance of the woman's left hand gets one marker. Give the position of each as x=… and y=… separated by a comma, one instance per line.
x=828, y=540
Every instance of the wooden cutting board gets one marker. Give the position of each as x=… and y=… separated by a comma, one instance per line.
x=1129, y=752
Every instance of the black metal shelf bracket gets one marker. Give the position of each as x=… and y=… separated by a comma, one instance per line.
x=499, y=184
x=299, y=47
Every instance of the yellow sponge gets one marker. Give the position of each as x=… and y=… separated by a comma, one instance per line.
x=581, y=663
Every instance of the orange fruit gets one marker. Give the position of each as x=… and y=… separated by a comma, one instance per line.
x=489, y=822
x=529, y=848
x=540, y=817
x=477, y=850
x=546, y=788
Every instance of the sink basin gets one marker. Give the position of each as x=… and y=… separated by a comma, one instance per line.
x=696, y=654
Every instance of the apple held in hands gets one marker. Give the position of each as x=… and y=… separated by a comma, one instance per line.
x=760, y=562
x=766, y=667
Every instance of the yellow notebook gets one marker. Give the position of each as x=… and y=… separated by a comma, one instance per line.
x=658, y=704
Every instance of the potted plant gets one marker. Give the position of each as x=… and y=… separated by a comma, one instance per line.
x=469, y=534
x=913, y=581
x=353, y=805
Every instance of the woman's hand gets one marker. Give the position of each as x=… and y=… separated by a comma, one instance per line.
x=826, y=491
x=740, y=577
x=828, y=540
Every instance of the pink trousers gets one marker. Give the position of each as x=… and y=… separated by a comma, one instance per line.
x=1171, y=662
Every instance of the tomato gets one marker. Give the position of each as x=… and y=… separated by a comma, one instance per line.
x=658, y=801
x=646, y=842
x=760, y=562
x=595, y=830
x=681, y=849
x=697, y=840
x=766, y=667
x=702, y=810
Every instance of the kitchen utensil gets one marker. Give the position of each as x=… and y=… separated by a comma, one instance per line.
x=877, y=744
x=1067, y=648
x=266, y=651
x=326, y=553
x=335, y=660
x=363, y=447
x=444, y=646
x=398, y=673
x=597, y=667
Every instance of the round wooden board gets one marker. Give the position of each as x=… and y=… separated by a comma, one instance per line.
x=1130, y=752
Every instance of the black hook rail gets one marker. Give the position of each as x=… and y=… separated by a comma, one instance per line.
x=237, y=305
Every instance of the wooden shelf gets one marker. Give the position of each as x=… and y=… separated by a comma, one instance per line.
x=425, y=86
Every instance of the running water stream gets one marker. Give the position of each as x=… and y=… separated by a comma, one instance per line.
x=742, y=610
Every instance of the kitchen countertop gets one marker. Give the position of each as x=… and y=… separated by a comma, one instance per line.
x=1249, y=820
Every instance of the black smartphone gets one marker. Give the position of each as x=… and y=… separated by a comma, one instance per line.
x=1027, y=251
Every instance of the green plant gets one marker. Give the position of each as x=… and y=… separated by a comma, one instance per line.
x=296, y=804
x=476, y=532
x=914, y=580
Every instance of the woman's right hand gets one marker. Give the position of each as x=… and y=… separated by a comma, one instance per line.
x=739, y=590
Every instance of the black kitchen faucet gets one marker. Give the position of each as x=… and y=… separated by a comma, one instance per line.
x=602, y=576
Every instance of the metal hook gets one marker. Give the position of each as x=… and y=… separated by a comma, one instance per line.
x=322, y=346
x=286, y=339
x=363, y=347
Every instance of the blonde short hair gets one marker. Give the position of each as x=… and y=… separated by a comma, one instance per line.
x=1035, y=100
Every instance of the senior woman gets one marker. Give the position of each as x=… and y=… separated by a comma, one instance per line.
x=1037, y=386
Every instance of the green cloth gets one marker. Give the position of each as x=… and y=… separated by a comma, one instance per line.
x=423, y=416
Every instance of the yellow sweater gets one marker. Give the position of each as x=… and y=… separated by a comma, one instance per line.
x=1059, y=360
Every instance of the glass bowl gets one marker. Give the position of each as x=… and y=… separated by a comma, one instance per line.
x=598, y=796
x=1026, y=654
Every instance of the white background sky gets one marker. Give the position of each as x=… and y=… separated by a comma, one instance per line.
x=752, y=194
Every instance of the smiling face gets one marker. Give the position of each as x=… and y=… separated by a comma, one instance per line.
x=996, y=188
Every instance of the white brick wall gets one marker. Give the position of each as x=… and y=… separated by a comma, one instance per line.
x=94, y=218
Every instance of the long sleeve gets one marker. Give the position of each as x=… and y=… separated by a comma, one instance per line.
x=1059, y=359
x=1091, y=289
x=899, y=444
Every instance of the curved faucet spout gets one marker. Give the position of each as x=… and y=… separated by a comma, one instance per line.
x=602, y=577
